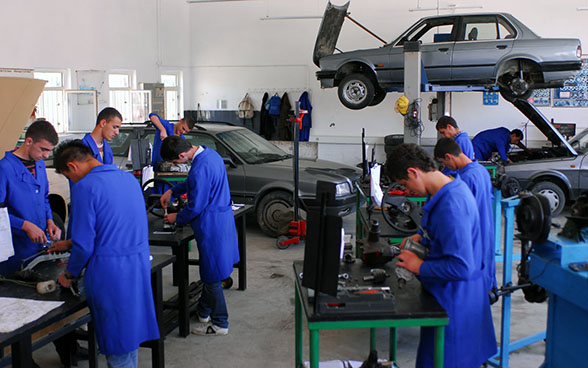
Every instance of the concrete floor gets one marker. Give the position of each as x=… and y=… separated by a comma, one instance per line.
x=261, y=331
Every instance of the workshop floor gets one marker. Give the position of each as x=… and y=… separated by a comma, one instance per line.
x=261, y=331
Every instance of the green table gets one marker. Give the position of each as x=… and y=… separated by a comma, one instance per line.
x=413, y=307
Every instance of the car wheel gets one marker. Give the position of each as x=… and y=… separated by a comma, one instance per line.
x=356, y=91
x=269, y=209
x=59, y=223
x=515, y=85
x=378, y=97
x=554, y=194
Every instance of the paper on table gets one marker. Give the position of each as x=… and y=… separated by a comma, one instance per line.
x=375, y=188
x=15, y=313
x=6, y=248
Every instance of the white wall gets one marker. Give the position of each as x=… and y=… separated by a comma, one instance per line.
x=234, y=52
x=224, y=50
x=149, y=36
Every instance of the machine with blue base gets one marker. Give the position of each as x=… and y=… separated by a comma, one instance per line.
x=549, y=267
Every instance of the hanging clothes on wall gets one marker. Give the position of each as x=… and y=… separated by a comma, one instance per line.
x=284, y=125
x=266, y=128
x=306, y=120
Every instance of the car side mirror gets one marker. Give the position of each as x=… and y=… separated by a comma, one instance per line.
x=229, y=161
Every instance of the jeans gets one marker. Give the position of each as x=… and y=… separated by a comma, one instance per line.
x=127, y=360
x=212, y=303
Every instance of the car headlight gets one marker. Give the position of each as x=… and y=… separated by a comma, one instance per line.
x=342, y=190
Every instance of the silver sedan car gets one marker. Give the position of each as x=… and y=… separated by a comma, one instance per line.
x=483, y=50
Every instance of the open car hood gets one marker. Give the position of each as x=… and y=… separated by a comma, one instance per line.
x=543, y=124
x=18, y=97
x=328, y=34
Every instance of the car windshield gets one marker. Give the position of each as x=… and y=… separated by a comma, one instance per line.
x=252, y=148
x=580, y=142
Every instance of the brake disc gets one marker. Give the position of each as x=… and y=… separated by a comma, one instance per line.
x=533, y=216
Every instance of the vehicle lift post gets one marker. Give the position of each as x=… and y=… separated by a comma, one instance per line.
x=297, y=230
x=412, y=85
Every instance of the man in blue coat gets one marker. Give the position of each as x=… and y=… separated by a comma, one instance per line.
x=447, y=127
x=24, y=190
x=211, y=216
x=452, y=272
x=107, y=126
x=496, y=140
x=110, y=241
x=167, y=129
x=478, y=180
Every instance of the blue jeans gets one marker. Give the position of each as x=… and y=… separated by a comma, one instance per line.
x=127, y=360
x=212, y=303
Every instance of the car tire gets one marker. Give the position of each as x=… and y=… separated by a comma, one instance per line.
x=59, y=223
x=356, y=91
x=514, y=86
x=378, y=97
x=554, y=194
x=269, y=209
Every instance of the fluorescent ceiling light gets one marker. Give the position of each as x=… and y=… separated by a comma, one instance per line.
x=293, y=17
x=212, y=1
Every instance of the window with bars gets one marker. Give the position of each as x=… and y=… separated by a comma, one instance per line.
x=172, y=83
x=134, y=105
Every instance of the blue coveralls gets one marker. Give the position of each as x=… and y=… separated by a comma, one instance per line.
x=478, y=180
x=307, y=118
x=453, y=274
x=27, y=198
x=108, y=160
x=210, y=214
x=110, y=240
x=491, y=140
x=169, y=130
x=463, y=141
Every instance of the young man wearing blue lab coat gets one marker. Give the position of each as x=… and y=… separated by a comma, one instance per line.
x=496, y=140
x=110, y=241
x=210, y=214
x=478, y=180
x=452, y=271
x=24, y=190
x=107, y=126
x=447, y=127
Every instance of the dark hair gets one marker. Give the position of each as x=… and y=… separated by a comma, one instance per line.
x=407, y=155
x=68, y=151
x=42, y=129
x=172, y=146
x=107, y=114
x=444, y=121
x=190, y=122
x=517, y=132
x=445, y=146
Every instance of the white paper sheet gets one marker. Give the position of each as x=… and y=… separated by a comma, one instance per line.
x=15, y=313
x=375, y=188
x=6, y=248
x=146, y=174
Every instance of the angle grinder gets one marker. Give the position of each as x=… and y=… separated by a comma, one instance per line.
x=402, y=273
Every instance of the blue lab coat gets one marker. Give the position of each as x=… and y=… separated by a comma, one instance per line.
x=210, y=214
x=156, y=154
x=464, y=142
x=491, y=140
x=108, y=159
x=453, y=274
x=478, y=180
x=110, y=240
x=108, y=156
x=307, y=118
x=27, y=198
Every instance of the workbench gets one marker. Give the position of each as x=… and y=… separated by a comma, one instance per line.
x=413, y=307
x=179, y=241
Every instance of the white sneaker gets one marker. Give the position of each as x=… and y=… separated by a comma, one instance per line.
x=210, y=330
x=203, y=319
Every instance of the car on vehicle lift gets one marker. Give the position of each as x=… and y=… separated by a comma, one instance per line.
x=259, y=172
x=485, y=50
x=560, y=171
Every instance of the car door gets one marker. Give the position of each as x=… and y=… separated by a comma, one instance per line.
x=482, y=41
x=235, y=170
x=436, y=36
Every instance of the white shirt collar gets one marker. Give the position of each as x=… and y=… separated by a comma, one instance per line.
x=198, y=151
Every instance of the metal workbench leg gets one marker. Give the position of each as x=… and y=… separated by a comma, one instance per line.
x=241, y=238
x=439, y=346
x=314, y=348
x=92, y=345
x=393, y=337
x=297, y=329
x=183, y=290
x=373, y=339
x=22, y=353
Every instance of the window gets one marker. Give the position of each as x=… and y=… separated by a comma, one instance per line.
x=134, y=105
x=172, y=84
x=437, y=30
x=486, y=28
x=51, y=102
